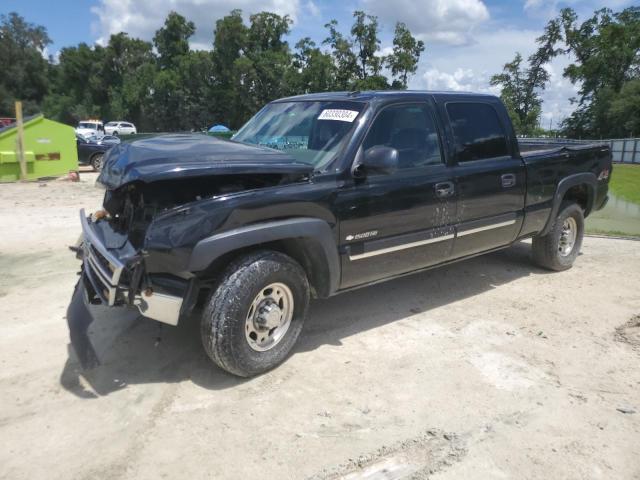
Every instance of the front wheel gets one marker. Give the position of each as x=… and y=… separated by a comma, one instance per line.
x=558, y=249
x=255, y=315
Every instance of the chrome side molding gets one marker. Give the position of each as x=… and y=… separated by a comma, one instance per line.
x=486, y=227
x=404, y=246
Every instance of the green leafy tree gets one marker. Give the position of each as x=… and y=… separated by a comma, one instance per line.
x=605, y=53
x=367, y=43
x=24, y=70
x=313, y=70
x=165, y=86
x=520, y=88
x=263, y=69
x=624, y=110
x=230, y=41
x=185, y=78
x=345, y=60
x=172, y=40
x=78, y=91
x=126, y=64
x=403, y=62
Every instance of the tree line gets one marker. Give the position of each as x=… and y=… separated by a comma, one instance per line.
x=163, y=85
x=604, y=53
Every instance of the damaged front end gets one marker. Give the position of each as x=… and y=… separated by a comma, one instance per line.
x=113, y=275
x=163, y=196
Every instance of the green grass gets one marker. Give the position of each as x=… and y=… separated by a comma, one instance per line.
x=625, y=182
x=608, y=233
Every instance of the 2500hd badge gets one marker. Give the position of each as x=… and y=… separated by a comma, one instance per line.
x=316, y=195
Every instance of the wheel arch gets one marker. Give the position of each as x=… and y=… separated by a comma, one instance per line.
x=309, y=241
x=580, y=188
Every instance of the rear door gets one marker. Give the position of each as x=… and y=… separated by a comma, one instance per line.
x=489, y=175
x=396, y=223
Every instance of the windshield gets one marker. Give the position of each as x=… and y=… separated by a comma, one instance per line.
x=93, y=126
x=311, y=132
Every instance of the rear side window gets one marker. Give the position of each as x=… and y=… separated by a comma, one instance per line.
x=477, y=131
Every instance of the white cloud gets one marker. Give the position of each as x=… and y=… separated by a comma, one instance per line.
x=550, y=8
x=470, y=68
x=442, y=21
x=313, y=9
x=141, y=18
x=461, y=80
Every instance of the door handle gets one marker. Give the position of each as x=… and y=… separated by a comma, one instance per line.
x=508, y=180
x=444, y=189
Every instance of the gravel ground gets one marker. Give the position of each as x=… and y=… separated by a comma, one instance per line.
x=490, y=368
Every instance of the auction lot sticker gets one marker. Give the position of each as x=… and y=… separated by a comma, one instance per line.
x=336, y=114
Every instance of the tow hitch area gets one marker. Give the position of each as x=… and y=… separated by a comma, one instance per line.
x=79, y=318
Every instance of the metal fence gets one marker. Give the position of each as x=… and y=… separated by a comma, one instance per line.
x=623, y=150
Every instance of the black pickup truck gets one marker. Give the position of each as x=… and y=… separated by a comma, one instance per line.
x=315, y=195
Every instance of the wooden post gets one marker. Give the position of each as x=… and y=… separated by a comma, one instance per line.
x=20, y=142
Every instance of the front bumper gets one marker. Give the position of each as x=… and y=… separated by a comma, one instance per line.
x=115, y=275
x=102, y=268
x=112, y=272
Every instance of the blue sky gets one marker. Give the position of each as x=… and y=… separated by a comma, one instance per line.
x=467, y=40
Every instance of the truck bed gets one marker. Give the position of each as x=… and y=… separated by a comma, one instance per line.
x=533, y=146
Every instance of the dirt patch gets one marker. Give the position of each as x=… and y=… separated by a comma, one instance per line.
x=630, y=333
x=415, y=458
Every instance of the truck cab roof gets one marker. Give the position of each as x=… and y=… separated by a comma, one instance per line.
x=371, y=95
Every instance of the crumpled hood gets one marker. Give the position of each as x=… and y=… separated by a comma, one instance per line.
x=191, y=155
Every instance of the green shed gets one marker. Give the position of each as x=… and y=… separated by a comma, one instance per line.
x=49, y=149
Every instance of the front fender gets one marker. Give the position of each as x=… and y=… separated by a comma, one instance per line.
x=206, y=251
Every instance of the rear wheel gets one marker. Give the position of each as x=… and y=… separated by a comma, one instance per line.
x=558, y=249
x=97, y=161
x=255, y=315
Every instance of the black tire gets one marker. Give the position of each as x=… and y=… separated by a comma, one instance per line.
x=224, y=323
x=116, y=133
x=547, y=249
x=96, y=161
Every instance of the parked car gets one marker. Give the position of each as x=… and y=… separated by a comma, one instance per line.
x=316, y=195
x=91, y=149
x=89, y=128
x=120, y=128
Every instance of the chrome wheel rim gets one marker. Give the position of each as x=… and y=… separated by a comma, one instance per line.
x=269, y=317
x=568, y=236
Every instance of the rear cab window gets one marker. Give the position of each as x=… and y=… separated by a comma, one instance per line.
x=477, y=131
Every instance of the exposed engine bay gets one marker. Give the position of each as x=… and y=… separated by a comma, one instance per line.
x=132, y=207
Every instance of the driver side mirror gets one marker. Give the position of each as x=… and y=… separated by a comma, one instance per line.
x=377, y=159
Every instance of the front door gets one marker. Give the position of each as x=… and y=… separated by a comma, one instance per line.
x=396, y=223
